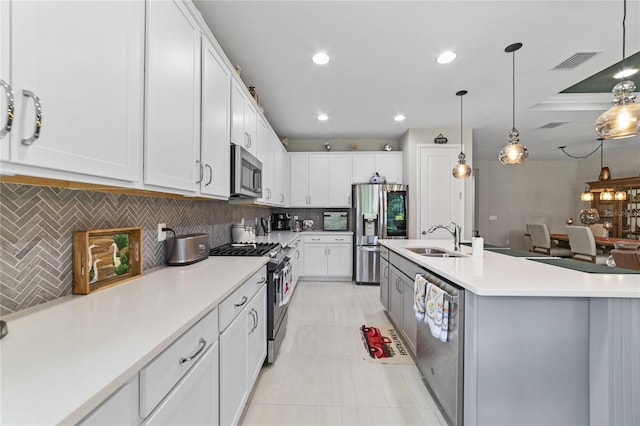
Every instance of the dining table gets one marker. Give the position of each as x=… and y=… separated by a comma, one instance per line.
x=607, y=242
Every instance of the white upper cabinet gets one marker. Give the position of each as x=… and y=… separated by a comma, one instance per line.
x=340, y=180
x=172, y=146
x=77, y=73
x=243, y=119
x=216, y=121
x=282, y=173
x=387, y=164
x=299, y=180
x=266, y=156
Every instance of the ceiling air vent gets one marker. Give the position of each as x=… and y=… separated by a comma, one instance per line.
x=553, y=124
x=575, y=60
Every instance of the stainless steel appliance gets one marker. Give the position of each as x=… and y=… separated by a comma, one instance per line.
x=442, y=363
x=281, y=221
x=186, y=249
x=335, y=221
x=279, y=286
x=380, y=213
x=246, y=174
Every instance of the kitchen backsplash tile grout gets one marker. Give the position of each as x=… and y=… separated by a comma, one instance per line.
x=36, y=226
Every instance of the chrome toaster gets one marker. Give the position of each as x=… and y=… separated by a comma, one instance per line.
x=187, y=249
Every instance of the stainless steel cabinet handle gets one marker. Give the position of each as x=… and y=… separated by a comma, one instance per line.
x=298, y=253
x=253, y=321
x=424, y=232
x=338, y=239
x=386, y=272
x=244, y=300
x=262, y=280
x=11, y=104
x=210, y=175
x=349, y=200
x=201, y=345
x=38, y=121
x=257, y=319
x=199, y=163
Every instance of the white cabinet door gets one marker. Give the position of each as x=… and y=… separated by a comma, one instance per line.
x=299, y=180
x=251, y=126
x=282, y=171
x=315, y=260
x=238, y=135
x=266, y=156
x=84, y=61
x=120, y=409
x=339, y=260
x=257, y=334
x=441, y=195
x=389, y=165
x=340, y=180
x=409, y=322
x=215, y=138
x=172, y=146
x=5, y=49
x=194, y=400
x=234, y=378
x=363, y=167
x=318, y=182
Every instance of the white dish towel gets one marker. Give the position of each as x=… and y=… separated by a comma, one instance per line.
x=436, y=312
x=420, y=289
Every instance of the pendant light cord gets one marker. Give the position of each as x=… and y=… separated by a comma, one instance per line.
x=513, y=80
x=601, y=154
x=624, y=29
x=461, y=143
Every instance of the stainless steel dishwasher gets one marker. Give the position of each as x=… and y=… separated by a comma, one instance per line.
x=442, y=363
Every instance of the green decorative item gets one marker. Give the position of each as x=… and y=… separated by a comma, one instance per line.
x=589, y=216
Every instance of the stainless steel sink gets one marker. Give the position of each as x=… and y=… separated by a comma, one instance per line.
x=434, y=252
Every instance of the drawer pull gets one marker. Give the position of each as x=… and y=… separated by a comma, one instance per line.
x=201, y=345
x=244, y=300
x=262, y=280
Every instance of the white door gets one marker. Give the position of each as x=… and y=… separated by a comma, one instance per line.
x=265, y=155
x=315, y=260
x=250, y=126
x=5, y=75
x=299, y=180
x=193, y=401
x=339, y=260
x=340, y=180
x=234, y=377
x=257, y=331
x=441, y=195
x=89, y=84
x=283, y=173
x=238, y=136
x=172, y=146
x=318, y=180
x=215, y=139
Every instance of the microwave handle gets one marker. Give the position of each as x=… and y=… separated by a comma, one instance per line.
x=257, y=179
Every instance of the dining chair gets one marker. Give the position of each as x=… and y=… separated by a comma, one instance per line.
x=542, y=243
x=583, y=245
x=628, y=259
x=599, y=230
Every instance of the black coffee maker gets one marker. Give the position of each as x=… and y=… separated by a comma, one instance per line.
x=281, y=221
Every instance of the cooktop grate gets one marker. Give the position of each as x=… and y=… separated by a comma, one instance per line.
x=244, y=249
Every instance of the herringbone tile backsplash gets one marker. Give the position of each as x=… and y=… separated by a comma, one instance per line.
x=37, y=223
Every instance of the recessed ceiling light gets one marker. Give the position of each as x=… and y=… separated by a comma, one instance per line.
x=446, y=57
x=320, y=58
x=399, y=117
x=626, y=73
x=323, y=117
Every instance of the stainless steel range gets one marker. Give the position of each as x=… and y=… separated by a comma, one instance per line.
x=279, y=286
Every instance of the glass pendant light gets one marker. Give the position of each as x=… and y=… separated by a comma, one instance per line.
x=586, y=195
x=620, y=195
x=623, y=119
x=462, y=170
x=606, y=195
x=513, y=152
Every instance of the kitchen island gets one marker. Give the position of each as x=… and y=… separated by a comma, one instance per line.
x=542, y=344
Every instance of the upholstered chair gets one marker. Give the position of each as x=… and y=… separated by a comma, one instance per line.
x=583, y=245
x=542, y=243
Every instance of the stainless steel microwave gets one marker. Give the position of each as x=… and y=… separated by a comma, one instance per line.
x=246, y=174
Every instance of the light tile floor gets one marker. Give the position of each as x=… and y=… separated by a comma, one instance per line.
x=320, y=378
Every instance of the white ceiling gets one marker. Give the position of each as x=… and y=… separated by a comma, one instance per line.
x=383, y=63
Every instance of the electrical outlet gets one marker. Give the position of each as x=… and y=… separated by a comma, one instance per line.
x=162, y=235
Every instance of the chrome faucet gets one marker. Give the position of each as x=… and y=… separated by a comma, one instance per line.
x=455, y=231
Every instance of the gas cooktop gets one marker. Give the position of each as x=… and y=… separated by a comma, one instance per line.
x=244, y=249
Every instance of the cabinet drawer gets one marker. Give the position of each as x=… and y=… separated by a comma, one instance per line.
x=239, y=299
x=335, y=238
x=160, y=375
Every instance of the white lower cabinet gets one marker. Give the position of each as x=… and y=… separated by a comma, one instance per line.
x=194, y=400
x=328, y=256
x=120, y=409
x=243, y=345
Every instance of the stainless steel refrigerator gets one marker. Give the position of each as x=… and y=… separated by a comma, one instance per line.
x=380, y=213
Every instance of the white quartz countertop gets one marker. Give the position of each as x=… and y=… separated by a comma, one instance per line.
x=496, y=274
x=60, y=360
x=289, y=236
